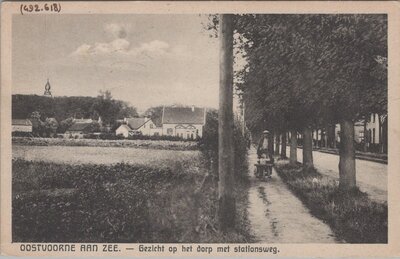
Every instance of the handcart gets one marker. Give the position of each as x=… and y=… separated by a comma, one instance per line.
x=263, y=169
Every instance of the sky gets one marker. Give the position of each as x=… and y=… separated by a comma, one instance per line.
x=146, y=60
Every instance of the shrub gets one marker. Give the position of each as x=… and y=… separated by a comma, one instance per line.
x=112, y=136
x=209, y=144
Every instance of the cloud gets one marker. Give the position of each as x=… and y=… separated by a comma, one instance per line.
x=122, y=46
x=116, y=30
x=155, y=46
x=115, y=46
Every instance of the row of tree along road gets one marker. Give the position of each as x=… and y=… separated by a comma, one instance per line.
x=296, y=73
x=303, y=72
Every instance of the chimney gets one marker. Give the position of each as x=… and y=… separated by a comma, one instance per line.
x=192, y=108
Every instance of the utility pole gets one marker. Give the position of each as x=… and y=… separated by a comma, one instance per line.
x=226, y=210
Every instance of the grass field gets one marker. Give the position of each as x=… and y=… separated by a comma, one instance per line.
x=138, y=143
x=101, y=155
x=86, y=194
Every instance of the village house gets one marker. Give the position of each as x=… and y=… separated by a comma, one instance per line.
x=184, y=122
x=21, y=125
x=78, y=129
x=138, y=126
x=373, y=132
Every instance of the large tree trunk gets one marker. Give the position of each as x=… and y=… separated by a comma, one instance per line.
x=271, y=143
x=283, y=145
x=307, y=148
x=347, y=162
x=334, y=135
x=330, y=136
x=380, y=134
x=365, y=144
x=293, y=147
x=277, y=144
x=316, y=138
x=226, y=198
x=385, y=135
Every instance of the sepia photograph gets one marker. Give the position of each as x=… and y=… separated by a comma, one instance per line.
x=242, y=128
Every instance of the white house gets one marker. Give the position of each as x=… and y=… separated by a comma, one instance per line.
x=144, y=126
x=375, y=133
x=23, y=125
x=184, y=122
x=123, y=130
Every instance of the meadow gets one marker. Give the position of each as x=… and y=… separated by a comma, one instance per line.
x=102, y=155
x=137, y=143
x=114, y=194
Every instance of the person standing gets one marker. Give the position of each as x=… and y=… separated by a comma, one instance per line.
x=263, y=147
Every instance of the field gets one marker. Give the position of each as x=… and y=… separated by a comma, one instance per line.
x=114, y=194
x=138, y=143
x=101, y=155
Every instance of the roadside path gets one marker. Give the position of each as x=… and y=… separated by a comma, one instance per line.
x=277, y=216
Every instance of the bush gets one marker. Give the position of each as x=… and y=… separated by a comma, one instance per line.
x=209, y=144
x=112, y=136
x=21, y=134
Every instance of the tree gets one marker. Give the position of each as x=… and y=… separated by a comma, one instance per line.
x=125, y=110
x=50, y=127
x=37, y=124
x=277, y=77
x=293, y=147
x=311, y=70
x=109, y=109
x=155, y=114
x=65, y=124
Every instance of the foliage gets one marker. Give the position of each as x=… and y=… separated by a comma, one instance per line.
x=50, y=126
x=65, y=124
x=352, y=215
x=108, y=108
x=307, y=69
x=208, y=144
x=63, y=107
x=155, y=114
x=120, y=203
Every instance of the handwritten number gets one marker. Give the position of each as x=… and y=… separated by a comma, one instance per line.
x=53, y=7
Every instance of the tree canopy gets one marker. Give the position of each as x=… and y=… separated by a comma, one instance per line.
x=305, y=69
x=62, y=108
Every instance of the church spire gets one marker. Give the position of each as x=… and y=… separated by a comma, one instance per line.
x=47, y=87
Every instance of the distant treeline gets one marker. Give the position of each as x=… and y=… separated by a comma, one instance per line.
x=64, y=107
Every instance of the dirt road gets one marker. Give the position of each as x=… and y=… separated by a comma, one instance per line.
x=278, y=216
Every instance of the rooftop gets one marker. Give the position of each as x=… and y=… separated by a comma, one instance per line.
x=21, y=122
x=78, y=126
x=136, y=123
x=187, y=115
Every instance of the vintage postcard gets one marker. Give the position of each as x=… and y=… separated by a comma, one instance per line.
x=200, y=129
